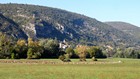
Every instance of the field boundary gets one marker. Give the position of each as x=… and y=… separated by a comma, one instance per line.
x=53, y=62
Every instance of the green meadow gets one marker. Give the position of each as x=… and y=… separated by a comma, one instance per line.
x=127, y=69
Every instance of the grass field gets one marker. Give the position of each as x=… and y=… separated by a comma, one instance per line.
x=128, y=69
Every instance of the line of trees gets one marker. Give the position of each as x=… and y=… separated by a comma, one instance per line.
x=127, y=53
x=49, y=48
x=43, y=48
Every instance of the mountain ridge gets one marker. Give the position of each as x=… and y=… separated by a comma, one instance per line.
x=126, y=27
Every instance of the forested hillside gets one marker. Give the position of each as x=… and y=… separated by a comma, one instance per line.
x=126, y=27
x=22, y=21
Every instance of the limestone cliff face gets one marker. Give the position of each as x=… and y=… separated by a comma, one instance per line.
x=29, y=30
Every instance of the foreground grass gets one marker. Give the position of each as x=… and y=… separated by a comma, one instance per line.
x=128, y=69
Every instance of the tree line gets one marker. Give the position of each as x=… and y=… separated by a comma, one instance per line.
x=49, y=48
x=44, y=48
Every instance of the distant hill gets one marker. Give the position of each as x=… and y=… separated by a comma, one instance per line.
x=22, y=21
x=126, y=27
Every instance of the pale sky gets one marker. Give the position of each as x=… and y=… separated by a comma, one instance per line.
x=102, y=10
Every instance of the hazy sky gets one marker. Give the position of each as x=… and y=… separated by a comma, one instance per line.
x=103, y=10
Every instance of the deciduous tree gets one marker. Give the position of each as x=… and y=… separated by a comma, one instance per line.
x=82, y=52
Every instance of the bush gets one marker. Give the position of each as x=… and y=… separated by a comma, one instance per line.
x=30, y=53
x=94, y=59
x=61, y=57
x=14, y=56
x=70, y=51
x=67, y=58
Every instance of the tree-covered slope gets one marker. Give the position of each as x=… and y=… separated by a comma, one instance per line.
x=9, y=27
x=126, y=27
x=45, y=22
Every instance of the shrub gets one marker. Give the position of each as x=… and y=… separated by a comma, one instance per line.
x=30, y=53
x=70, y=51
x=62, y=57
x=67, y=58
x=94, y=59
x=14, y=56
